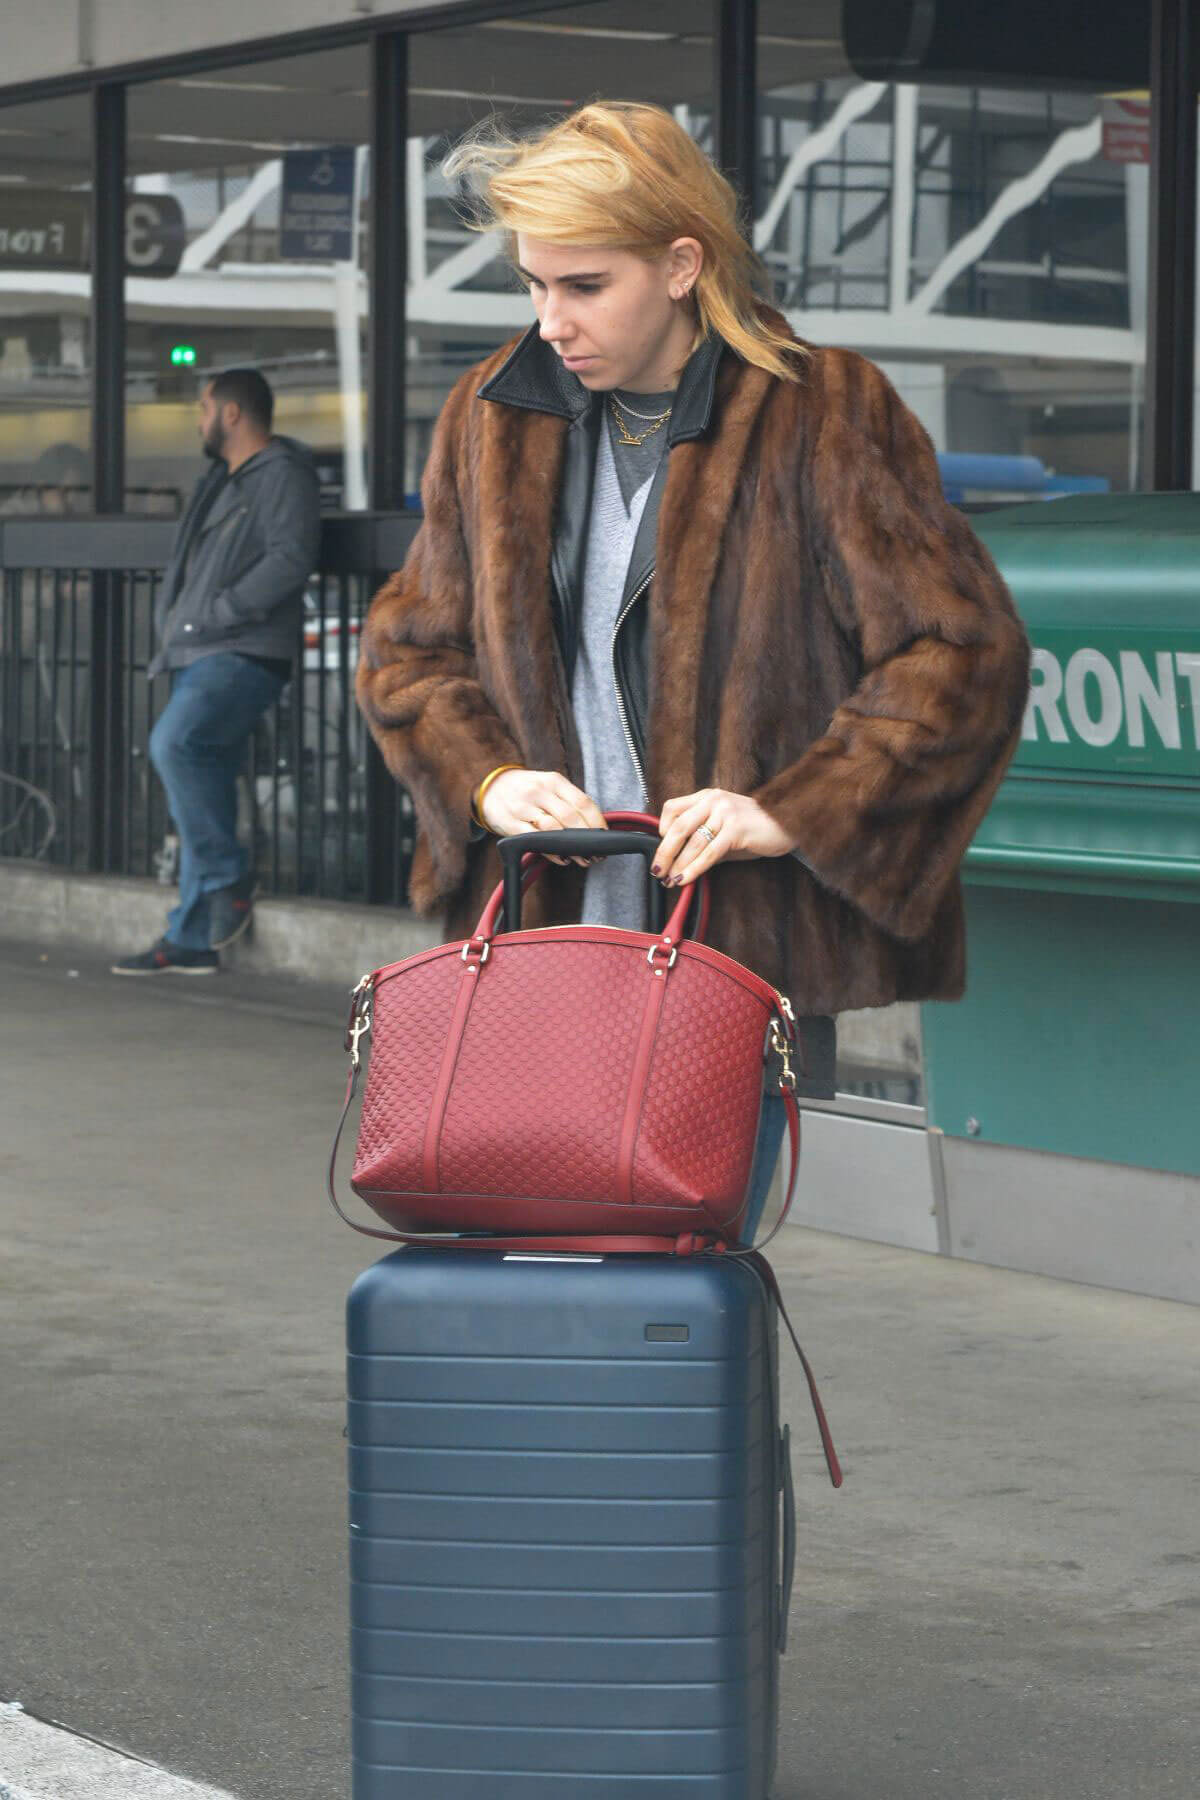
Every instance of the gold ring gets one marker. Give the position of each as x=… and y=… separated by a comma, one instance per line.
x=706, y=831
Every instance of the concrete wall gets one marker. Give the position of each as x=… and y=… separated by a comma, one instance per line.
x=323, y=940
x=316, y=940
x=65, y=37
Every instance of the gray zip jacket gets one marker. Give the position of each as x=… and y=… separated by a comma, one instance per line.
x=246, y=546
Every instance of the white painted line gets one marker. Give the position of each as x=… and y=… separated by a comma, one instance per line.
x=47, y=1762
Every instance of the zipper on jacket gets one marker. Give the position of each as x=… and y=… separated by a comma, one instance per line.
x=621, y=618
x=236, y=512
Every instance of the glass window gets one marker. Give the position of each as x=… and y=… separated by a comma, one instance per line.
x=45, y=302
x=463, y=298
x=248, y=195
x=985, y=246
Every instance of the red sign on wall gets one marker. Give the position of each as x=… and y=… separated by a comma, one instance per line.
x=1125, y=128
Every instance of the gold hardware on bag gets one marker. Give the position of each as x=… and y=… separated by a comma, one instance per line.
x=360, y=1028
x=360, y=1018
x=783, y=1050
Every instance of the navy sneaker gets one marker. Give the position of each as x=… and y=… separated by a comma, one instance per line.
x=230, y=910
x=165, y=958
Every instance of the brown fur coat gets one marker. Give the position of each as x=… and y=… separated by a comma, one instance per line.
x=826, y=633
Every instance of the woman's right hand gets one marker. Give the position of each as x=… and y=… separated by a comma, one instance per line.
x=539, y=800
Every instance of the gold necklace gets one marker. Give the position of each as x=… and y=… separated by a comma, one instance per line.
x=635, y=414
x=633, y=437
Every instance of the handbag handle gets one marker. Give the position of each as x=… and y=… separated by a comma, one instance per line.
x=628, y=834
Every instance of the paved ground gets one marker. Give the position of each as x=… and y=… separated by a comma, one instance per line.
x=1002, y=1604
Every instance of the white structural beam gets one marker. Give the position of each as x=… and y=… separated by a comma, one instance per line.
x=239, y=289
x=302, y=292
x=1079, y=143
x=349, y=307
x=818, y=144
x=414, y=177
x=942, y=335
x=463, y=264
x=904, y=181
x=239, y=212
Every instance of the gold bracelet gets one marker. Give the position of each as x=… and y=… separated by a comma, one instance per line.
x=481, y=790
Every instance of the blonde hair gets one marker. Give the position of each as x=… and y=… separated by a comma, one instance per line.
x=619, y=175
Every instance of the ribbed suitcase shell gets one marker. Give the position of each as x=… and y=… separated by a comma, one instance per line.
x=565, y=1482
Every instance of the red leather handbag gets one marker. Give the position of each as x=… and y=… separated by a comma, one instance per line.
x=571, y=1079
x=569, y=1088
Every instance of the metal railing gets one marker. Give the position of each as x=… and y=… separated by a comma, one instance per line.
x=317, y=807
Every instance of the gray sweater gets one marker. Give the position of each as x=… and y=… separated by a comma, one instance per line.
x=615, y=889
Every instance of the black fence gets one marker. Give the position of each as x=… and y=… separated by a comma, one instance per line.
x=317, y=807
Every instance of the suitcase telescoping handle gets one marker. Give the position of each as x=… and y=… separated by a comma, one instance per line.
x=564, y=843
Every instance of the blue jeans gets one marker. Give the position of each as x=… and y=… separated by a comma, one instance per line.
x=197, y=746
x=772, y=1126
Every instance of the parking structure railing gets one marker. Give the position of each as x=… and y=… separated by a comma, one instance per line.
x=316, y=805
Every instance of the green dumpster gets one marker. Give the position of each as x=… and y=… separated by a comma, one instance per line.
x=1066, y=1086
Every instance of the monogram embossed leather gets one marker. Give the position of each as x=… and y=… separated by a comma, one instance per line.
x=572, y=1080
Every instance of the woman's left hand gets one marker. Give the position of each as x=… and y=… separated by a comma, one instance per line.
x=739, y=826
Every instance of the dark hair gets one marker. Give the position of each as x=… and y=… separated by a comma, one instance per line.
x=247, y=389
x=63, y=465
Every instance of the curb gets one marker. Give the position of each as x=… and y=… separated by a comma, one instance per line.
x=44, y=1761
x=318, y=940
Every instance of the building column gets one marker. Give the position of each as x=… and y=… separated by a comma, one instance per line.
x=1171, y=308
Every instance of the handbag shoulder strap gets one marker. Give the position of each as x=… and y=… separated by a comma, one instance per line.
x=686, y=1244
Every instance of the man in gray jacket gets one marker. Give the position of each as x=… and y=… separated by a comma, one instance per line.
x=226, y=619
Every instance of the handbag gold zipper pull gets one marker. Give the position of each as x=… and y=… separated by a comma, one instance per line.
x=360, y=1018
x=782, y=1041
x=783, y=1050
x=360, y=1028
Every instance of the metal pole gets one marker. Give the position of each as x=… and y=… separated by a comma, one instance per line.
x=108, y=297
x=735, y=90
x=1171, y=307
x=388, y=257
x=106, y=823
x=387, y=335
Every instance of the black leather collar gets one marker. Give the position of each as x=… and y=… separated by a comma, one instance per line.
x=533, y=376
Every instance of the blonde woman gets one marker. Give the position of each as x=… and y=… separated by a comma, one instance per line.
x=676, y=559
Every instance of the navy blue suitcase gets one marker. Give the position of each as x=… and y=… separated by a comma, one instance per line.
x=571, y=1528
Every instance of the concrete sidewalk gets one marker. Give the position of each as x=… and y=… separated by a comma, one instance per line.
x=1002, y=1604
x=40, y=1761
